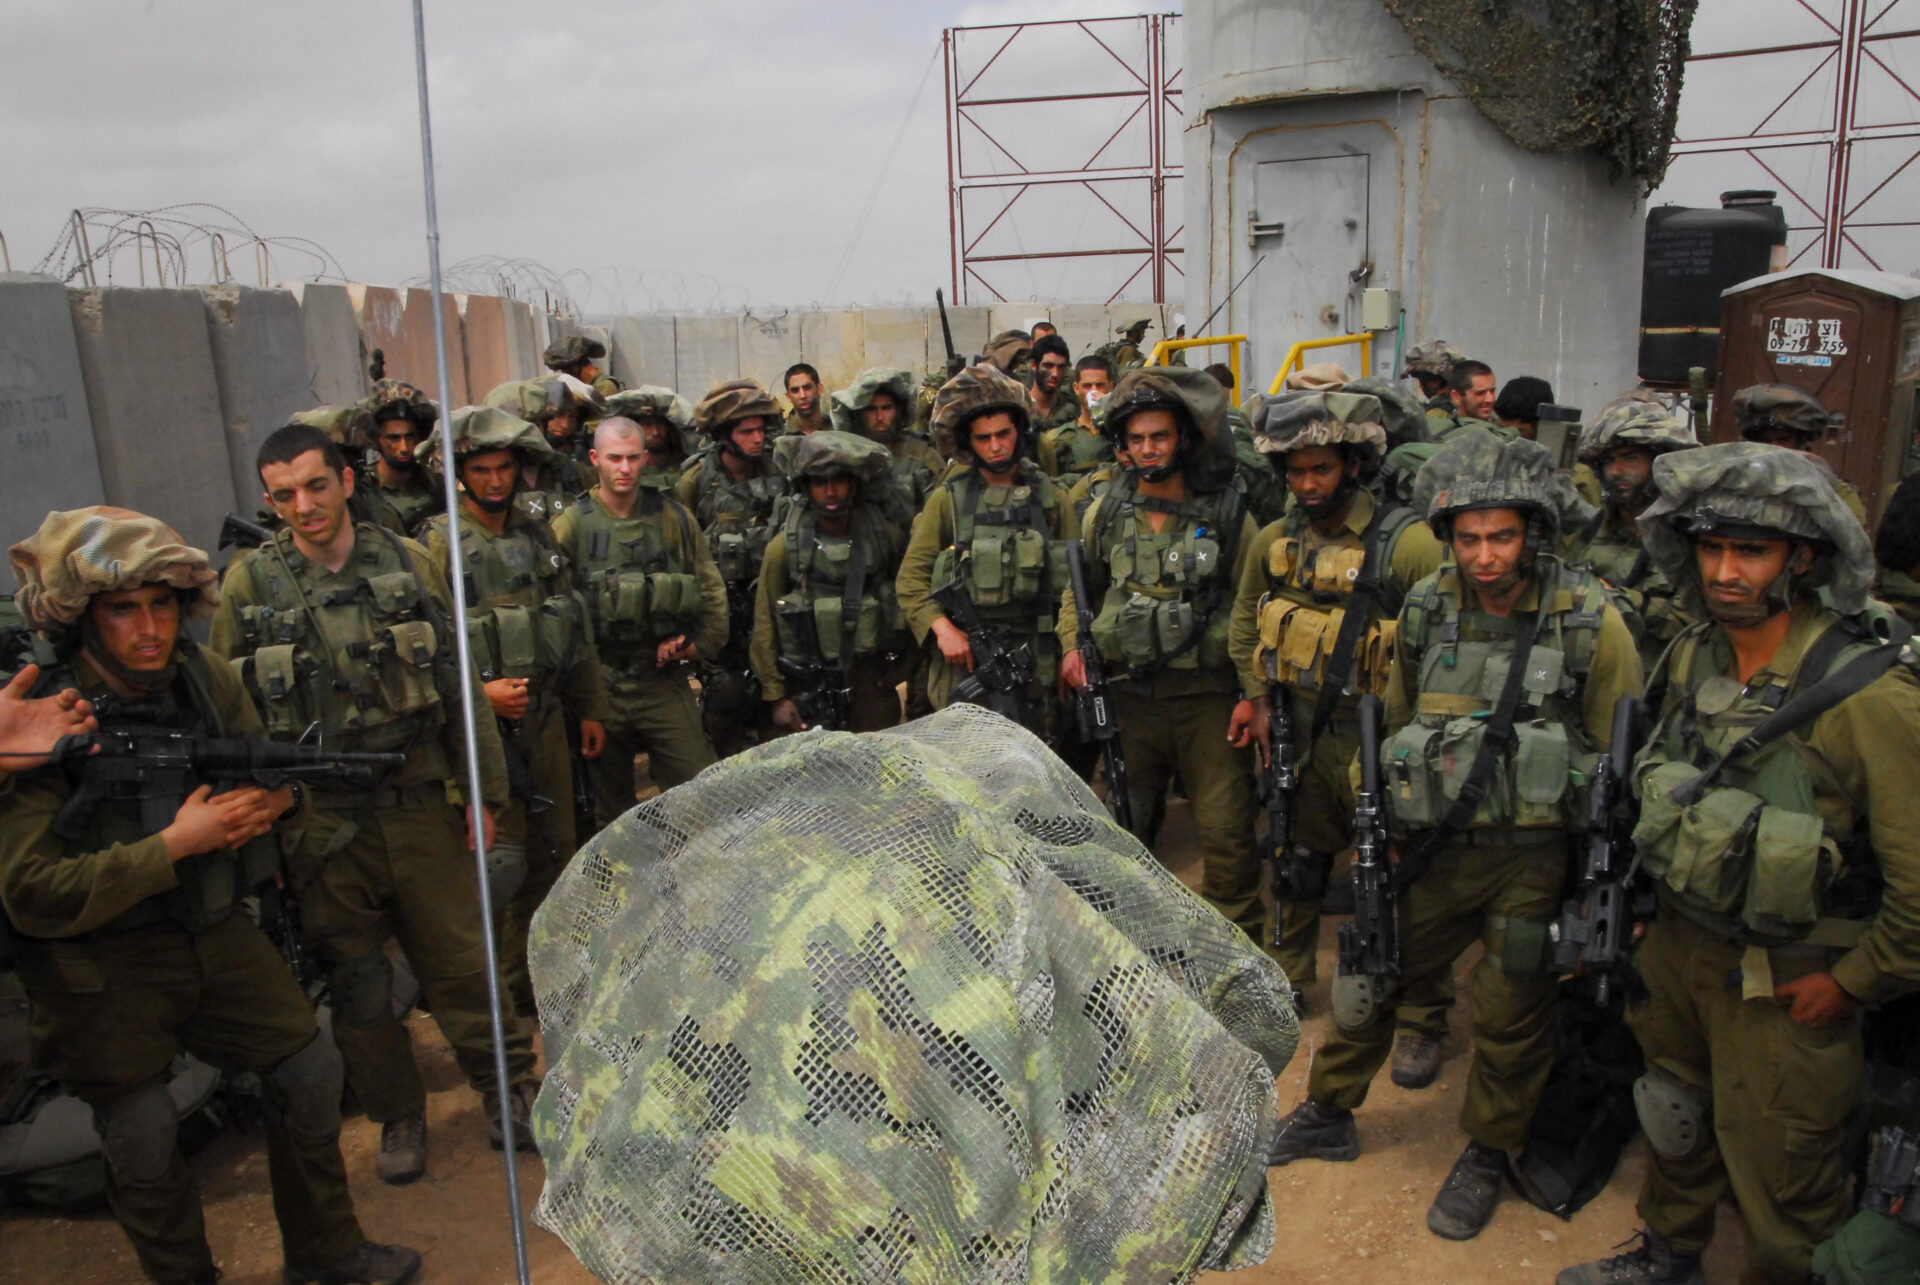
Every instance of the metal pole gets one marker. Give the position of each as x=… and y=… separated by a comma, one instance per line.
x=953, y=195
x=456, y=575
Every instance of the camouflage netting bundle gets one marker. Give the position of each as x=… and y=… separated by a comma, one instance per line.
x=1561, y=75
x=902, y=1006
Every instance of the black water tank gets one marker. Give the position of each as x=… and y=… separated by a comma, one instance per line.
x=1692, y=255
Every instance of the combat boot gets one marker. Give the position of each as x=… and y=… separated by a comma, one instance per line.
x=1651, y=1262
x=403, y=1148
x=1416, y=1060
x=1315, y=1130
x=371, y=1264
x=1466, y=1200
x=520, y=1102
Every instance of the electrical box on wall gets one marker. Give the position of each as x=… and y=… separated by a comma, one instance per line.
x=1379, y=308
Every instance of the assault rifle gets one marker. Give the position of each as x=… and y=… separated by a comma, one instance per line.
x=238, y=533
x=955, y=363
x=819, y=688
x=1092, y=704
x=1595, y=932
x=1277, y=784
x=1370, y=941
x=1002, y=668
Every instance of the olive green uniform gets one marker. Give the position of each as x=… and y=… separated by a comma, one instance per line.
x=1500, y=882
x=547, y=488
x=797, y=425
x=366, y=657
x=1297, y=585
x=130, y=958
x=646, y=578
x=806, y=572
x=1752, y=896
x=524, y=620
x=405, y=508
x=1901, y=592
x=1264, y=490
x=1165, y=602
x=737, y=516
x=1070, y=451
x=1611, y=546
x=1065, y=414
x=1090, y=486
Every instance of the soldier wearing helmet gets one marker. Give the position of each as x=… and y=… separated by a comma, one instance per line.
x=1070, y=451
x=1784, y=865
x=133, y=943
x=1428, y=365
x=993, y=524
x=1127, y=351
x=1313, y=624
x=1506, y=670
x=1166, y=546
x=877, y=405
x=826, y=611
x=343, y=632
x=580, y=357
x=665, y=418
x=1620, y=446
x=1011, y=353
x=533, y=645
x=396, y=419
x=731, y=487
x=656, y=604
x=1782, y=415
x=561, y=407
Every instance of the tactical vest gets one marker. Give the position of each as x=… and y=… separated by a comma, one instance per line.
x=1623, y=563
x=1168, y=594
x=523, y=619
x=817, y=571
x=555, y=485
x=1076, y=452
x=409, y=506
x=19, y=645
x=358, y=660
x=1462, y=658
x=636, y=574
x=736, y=516
x=1003, y=549
x=1310, y=581
x=1751, y=859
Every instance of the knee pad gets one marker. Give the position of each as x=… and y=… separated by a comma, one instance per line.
x=1673, y=1116
x=305, y=1089
x=1359, y=1001
x=139, y=1132
x=506, y=872
x=362, y=989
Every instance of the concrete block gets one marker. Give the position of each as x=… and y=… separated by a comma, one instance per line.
x=1013, y=316
x=523, y=353
x=835, y=344
x=706, y=352
x=543, y=334
x=421, y=357
x=642, y=351
x=259, y=347
x=902, y=337
x=970, y=331
x=148, y=365
x=489, y=343
x=382, y=314
x=1083, y=325
x=768, y=345
x=336, y=358
x=46, y=432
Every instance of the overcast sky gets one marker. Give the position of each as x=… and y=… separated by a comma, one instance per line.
x=686, y=154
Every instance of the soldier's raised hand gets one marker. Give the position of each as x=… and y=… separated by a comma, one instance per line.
x=29, y=728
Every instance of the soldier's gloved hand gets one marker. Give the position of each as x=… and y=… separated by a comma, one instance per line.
x=508, y=696
x=954, y=647
x=1818, y=1002
x=786, y=716
x=1073, y=670
x=593, y=738
x=29, y=728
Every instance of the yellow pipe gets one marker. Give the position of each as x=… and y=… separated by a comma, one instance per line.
x=1160, y=350
x=1294, y=353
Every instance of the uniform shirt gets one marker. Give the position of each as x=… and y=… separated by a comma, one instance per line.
x=775, y=583
x=933, y=531
x=1054, y=451
x=402, y=509
x=1901, y=592
x=1066, y=410
x=709, y=635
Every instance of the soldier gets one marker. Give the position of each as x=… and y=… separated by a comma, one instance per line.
x=1620, y=445
x=1470, y=387
x=1125, y=352
x=1051, y=403
x=1480, y=759
x=656, y=602
x=1073, y=450
x=579, y=357
x=559, y=406
x=1428, y=365
x=665, y=419
x=1896, y=548
x=534, y=648
x=1777, y=823
x=731, y=488
x=1011, y=353
x=1166, y=546
x=874, y=406
x=826, y=586
x=993, y=525
x=343, y=632
x=1041, y=329
x=132, y=944
x=1262, y=487
x=398, y=418
x=1518, y=405
x=1782, y=415
x=1337, y=553
x=804, y=394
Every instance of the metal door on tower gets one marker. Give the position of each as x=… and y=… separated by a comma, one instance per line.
x=1309, y=217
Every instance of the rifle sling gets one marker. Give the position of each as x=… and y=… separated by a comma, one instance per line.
x=1338, y=676
x=850, y=600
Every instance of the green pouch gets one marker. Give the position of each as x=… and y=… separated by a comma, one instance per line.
x=1783, y=895
x=827, y=616
x=1707, y=849
x=674, y=597
x=1173, y=625
x=558, y=623
x=276, y=681
x=1525, y=946
x=1542, y=765
x=1189, y=562
x=519, y=651
x=943, y=568
x=788, y=610
x=1459, y=748
x=264, y=626
x=406, y=668
x=986, y=567
x=1407, y=771
x=394, y=593
x=1029, y=565
x=625, y=601
x=486, y=653
x=1136, y=628
x=731, y=554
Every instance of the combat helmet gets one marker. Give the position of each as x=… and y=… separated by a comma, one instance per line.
x=347, y=425
x=1295, y=421
x=571, y=351
x=477, y=429
x=539, y=400
x=1631, y=422
x=651, y=401
x=1128, y=327
x=1010, y=352
x=394, y=399
x=846, y=404
x=727, y=405
x=1479, y=469
x=102, y=549
x=833, y=453
x=1434, y=357
x=976, y=391
x=1400, y=411
x=1765, y=406
x=1199, y=404
x=1754, y=490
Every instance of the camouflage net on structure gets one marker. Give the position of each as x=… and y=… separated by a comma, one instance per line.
x=903, y=1006
x=1561, y=75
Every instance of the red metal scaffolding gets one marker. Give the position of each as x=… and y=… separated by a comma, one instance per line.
x=1017, y=95
x=1841, y=125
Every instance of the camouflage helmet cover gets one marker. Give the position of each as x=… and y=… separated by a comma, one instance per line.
x=832, y=453
x=476, y=429
x=1295, y=421
x=1402, y=415
x=1434, y=357
x=1128, y=327
x=393, y=399
x=972, y=393
x=538, y=400
x=573, y=350
x=1317, y=378
x=1752, y=485
x=731, y=402
x=1766, y=406
x=1009, y=350
x=1194, y=396
x=102, y=549
x=846, y=404
x=1632, y=422
x=346, y=425
x=651, y=401
x=1479, y=469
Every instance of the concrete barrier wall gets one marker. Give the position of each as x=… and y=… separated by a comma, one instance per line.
x=706, y=352
x=768, y=345
x=642, y=351
x=51, y=460
x=488, y=343
x=336, y=358
x=260, y=370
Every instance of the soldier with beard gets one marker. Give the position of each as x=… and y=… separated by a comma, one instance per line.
x=404, y=493
x=805, y=397
x=1051, y=403
x=559, y=406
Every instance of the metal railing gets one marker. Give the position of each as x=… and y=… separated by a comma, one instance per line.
x=1160, y=350
x=1364, y=339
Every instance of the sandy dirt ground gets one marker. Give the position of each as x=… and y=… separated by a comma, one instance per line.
x=1352, y=1223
